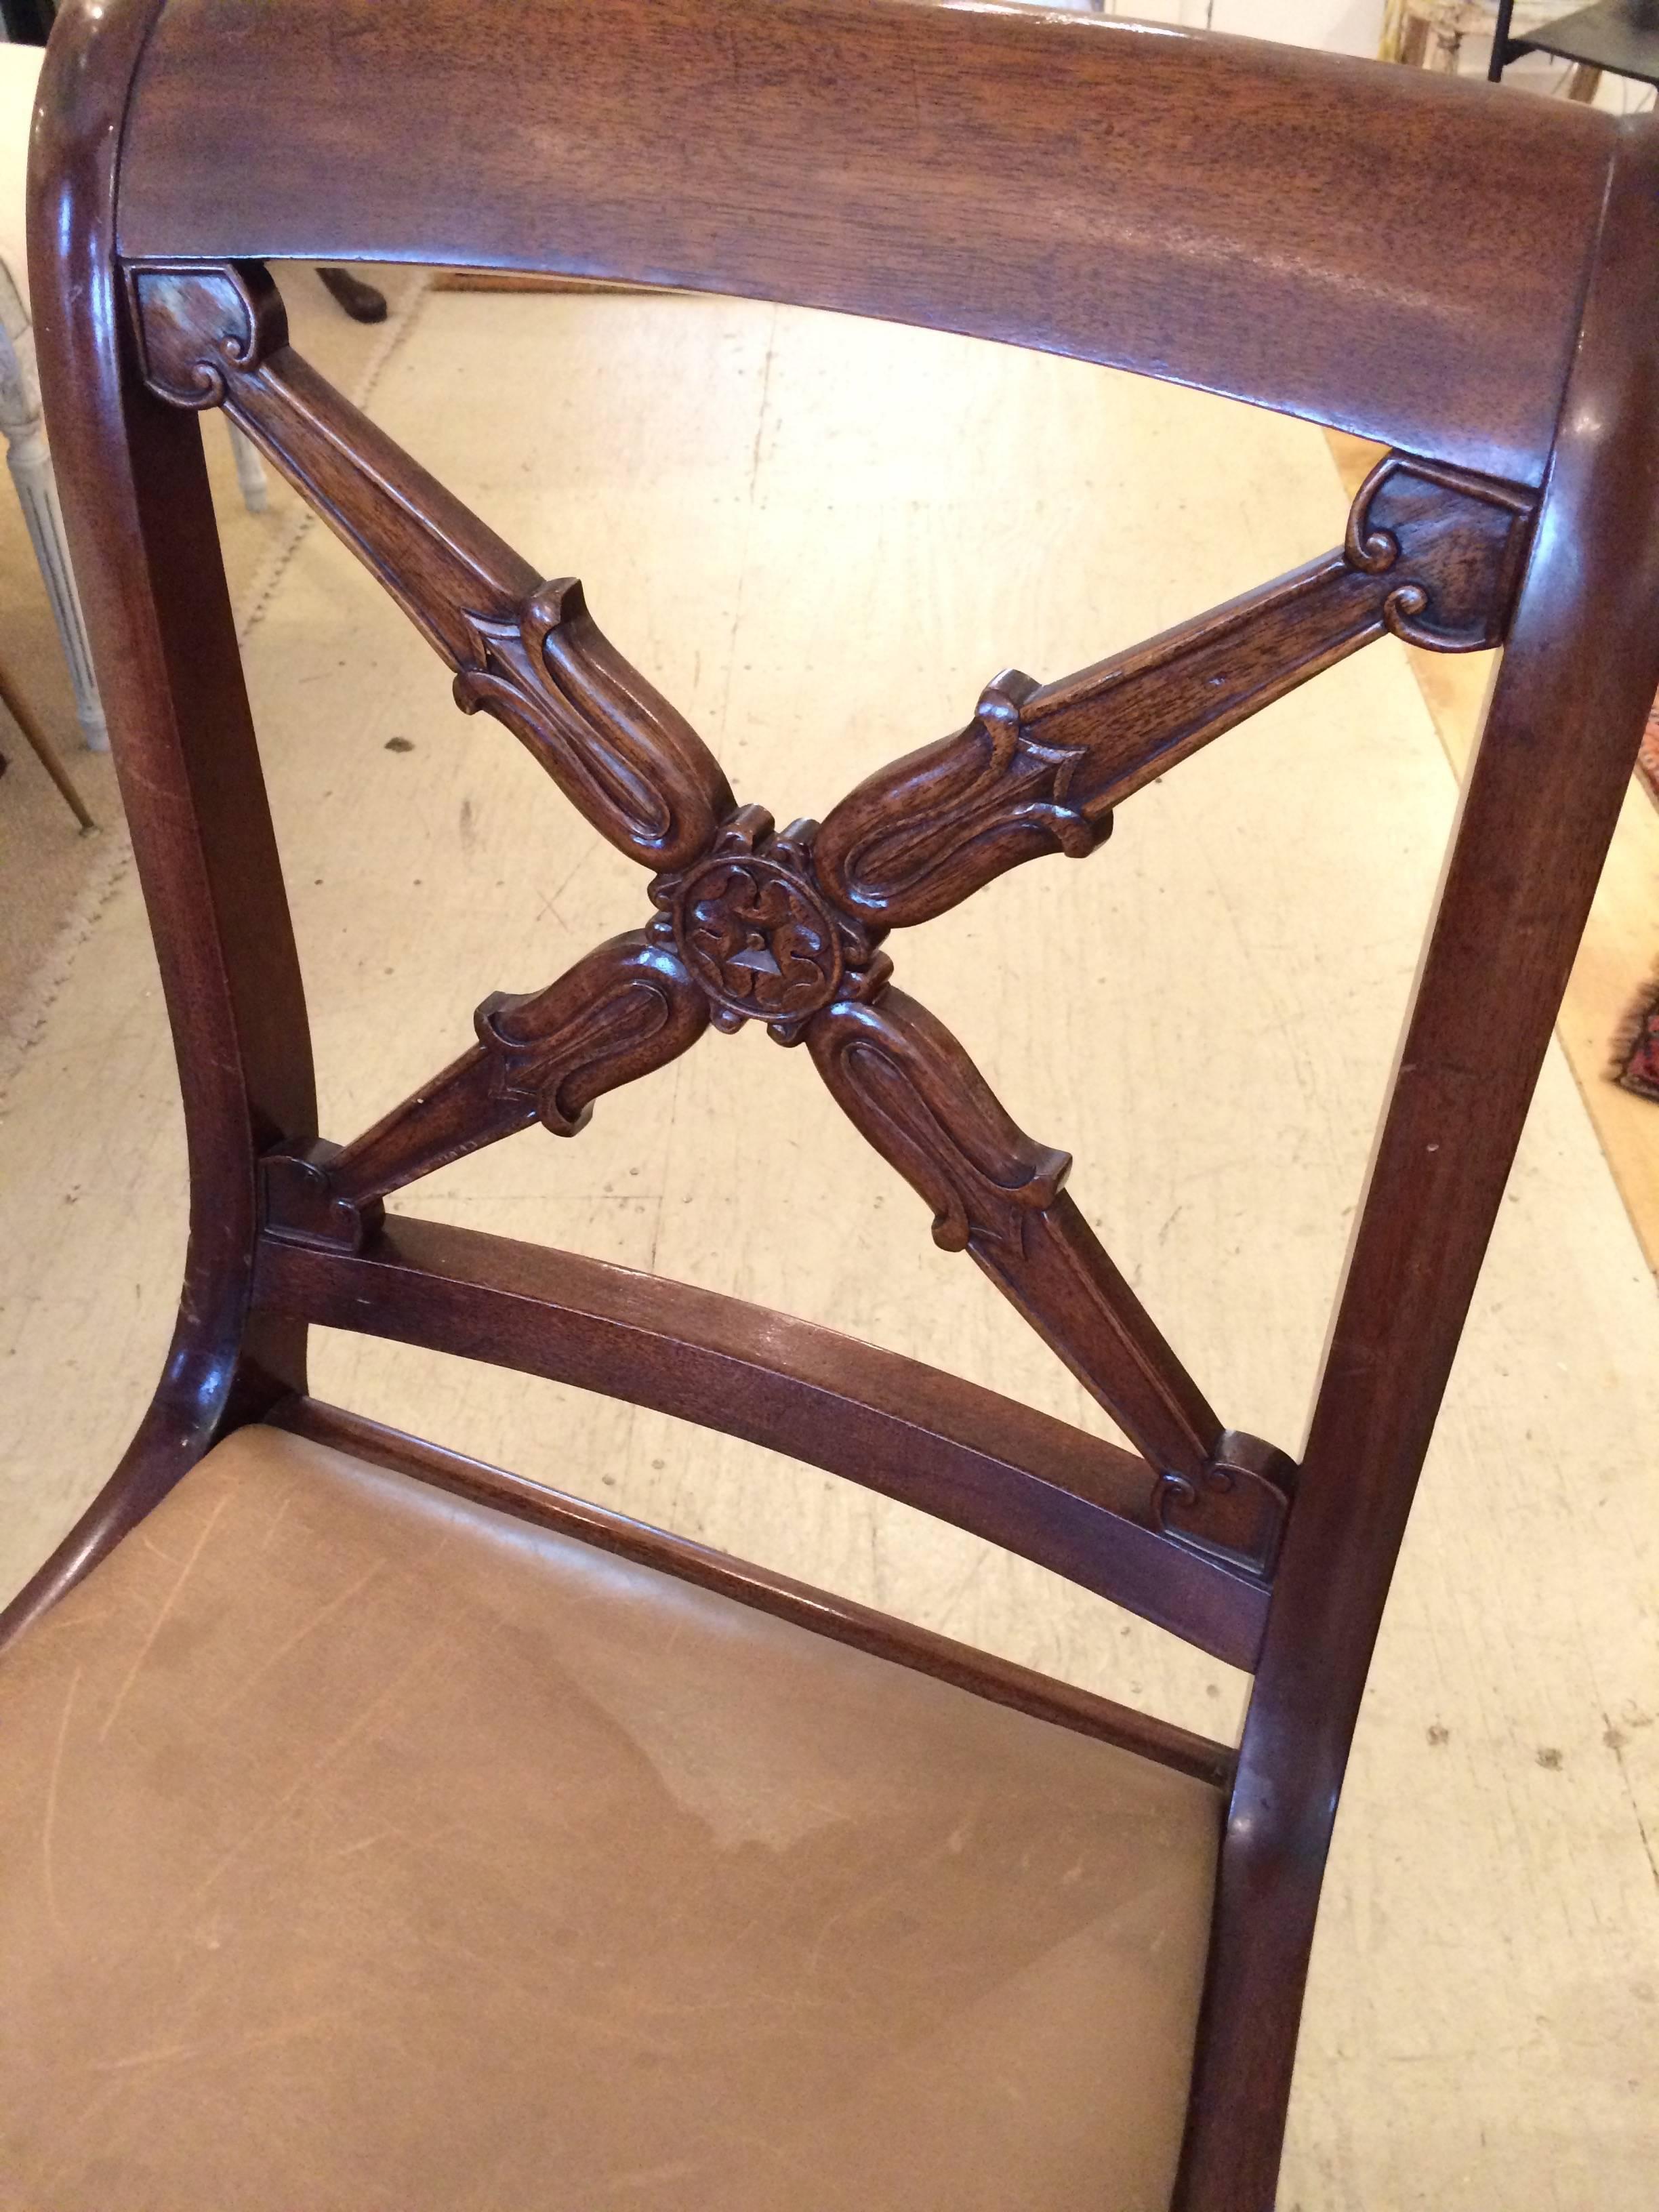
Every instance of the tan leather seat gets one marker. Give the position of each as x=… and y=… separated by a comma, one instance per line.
x=366, y=1847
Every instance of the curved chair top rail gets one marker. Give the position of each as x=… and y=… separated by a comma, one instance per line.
x=1400, y=256
x=1469, y=275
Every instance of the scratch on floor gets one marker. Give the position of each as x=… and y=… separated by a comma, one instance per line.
x=720, y=732
x=1616, y=1743
x=765, y=395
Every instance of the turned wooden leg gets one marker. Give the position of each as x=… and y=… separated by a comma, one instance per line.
x=1585, y=83
x=44, y=751
x=362, y=302
x=1446, y=37
x=250, y=470
x=30, y=464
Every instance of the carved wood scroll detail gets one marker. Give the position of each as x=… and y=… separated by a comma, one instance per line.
x=786, y=927
x=1432, y=554
x=750, y=924
x=1234, y=1511
x=543, y=1056
x=907, y=1084
x=626, y=1009
x=526, y=651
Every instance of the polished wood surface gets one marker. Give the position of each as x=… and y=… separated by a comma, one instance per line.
x=530, y=653
x=1276, y=263
x=996, y=1678
x=131, y=476
x=1431, y=556
x=786, y=927
x=1620, y=939
x=1157, y=198
x=1543, y=794
x=1021, y=1479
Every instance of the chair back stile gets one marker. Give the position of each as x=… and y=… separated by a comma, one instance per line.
x=1234, y=216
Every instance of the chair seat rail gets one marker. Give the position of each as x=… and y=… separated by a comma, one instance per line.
x=1245, y=218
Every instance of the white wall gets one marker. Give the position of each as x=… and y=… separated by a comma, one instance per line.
x=1340, y=26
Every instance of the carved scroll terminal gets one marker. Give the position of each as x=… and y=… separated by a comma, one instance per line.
x=904, y=1080
x=786, y=927
x=629, y=1007
x=1431, y=553
x=528, y=652
x=907, y=1083
x=616, y=748
x=1234, y=1511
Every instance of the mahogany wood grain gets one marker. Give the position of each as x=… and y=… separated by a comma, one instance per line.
x=1154, y=197
x=526, y=651
x=142, y=535
x=1577, y=677
x=1430, y=555
x=626, y=1008
x=786, y=926
x=1246, y=218
x=983, y=1672
x=906, y=1082
x=1071, y=1502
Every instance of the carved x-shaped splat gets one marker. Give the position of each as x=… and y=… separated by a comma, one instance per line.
x=786, y=927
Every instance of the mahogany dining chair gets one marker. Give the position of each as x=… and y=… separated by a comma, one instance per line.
x=336, y=1867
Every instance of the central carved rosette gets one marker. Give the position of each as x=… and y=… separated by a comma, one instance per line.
x=751, y=926
x=787, y=928
x=753, y=939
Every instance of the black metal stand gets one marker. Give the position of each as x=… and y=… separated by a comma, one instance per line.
x=1621, y=35
x=27, y=22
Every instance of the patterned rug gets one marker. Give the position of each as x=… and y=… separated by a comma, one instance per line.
x=1638, y=1053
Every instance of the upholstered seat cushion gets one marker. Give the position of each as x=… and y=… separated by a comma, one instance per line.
x=365, y=1847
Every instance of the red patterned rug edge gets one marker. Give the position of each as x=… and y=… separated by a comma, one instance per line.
x=1636, y=1050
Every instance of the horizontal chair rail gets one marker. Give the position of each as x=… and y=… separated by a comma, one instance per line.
x=999, y=1680
x=1159, y=199
x=1065, y=1500
x=1252, y=219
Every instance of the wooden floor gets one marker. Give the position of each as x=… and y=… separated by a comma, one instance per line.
x=820, y=540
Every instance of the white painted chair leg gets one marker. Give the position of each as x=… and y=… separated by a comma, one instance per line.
x=250, y=470
x=30, y=464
